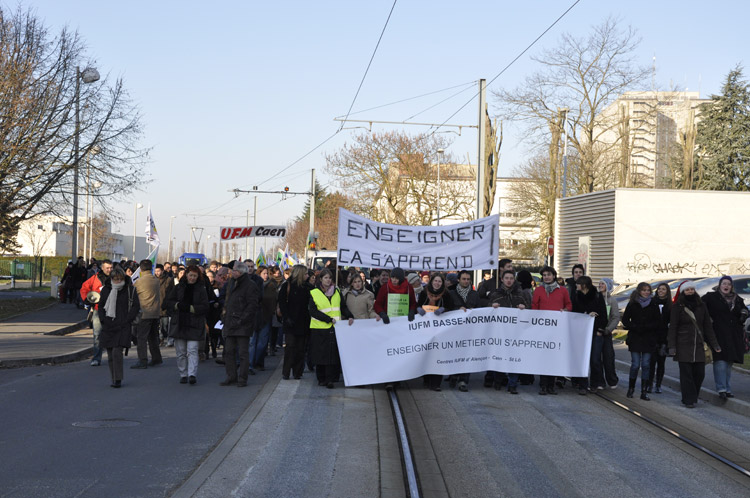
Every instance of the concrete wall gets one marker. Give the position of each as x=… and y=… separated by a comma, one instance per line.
x=663, y=234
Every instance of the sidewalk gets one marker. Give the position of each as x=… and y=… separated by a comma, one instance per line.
x=740, y=382
x=42, y=337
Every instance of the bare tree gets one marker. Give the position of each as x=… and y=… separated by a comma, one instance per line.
x=38, y=77
x=392, y=177
x=583, y=75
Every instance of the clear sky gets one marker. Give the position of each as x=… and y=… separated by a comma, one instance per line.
x=233, y=92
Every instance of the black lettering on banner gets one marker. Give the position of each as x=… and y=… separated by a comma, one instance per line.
x=427, y=262
x=463, y=235
x=478, y=231
x=402, y=236
x=356, y=258
x=468, y=261
x=388, y=262
x=413, y=260
x=430, y=237
x=350, y=230
x=342, y=256
x=369, y=230
x=376, y=259
x=447, y=235
x=386, y=234
x=402, y=259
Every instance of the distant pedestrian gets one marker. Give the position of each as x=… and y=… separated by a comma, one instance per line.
x=119, y=307
x=641, y=319
x=166, y=284
x=590, y=302
x=663, y=300
x=147, y=287
x=240, y=308
x=689, y=327
x=436, y=299
x=293, y=302
x=326, y=308
x=728, y=314
x=93, y=287
x=188, y=305
x=602, y=350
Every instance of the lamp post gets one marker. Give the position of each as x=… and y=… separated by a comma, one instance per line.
x=440, y=156
x=94, y=186
x=138, y=206
x=89, y=75
x=169, y=245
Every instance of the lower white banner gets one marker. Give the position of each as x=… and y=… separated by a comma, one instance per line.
x=499, y=339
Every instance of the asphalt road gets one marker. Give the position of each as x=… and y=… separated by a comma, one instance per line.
x=167, y=427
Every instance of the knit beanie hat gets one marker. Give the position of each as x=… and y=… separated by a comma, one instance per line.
x=687, y=285
x=413, y=279
x=609, y=283
x=398, y=273
x=726, y=277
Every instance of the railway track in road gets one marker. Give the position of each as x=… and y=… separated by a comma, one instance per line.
x=411, y=478
x=738, y=462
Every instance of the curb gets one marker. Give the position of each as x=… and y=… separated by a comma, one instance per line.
x=51, y=360
x=69, y=329
x=27, y=312
x=734, y=405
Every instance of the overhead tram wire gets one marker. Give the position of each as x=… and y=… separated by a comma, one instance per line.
x=441, y=102
x=411, y=98
x=368, y=65
x=510, y=63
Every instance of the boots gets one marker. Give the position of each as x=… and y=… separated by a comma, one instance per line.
x=631, y=388
x=644, y=392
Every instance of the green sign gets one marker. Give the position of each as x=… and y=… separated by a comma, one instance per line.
x=398, y=305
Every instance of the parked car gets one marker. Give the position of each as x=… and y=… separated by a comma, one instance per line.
x=741, y=286
x=623, y=296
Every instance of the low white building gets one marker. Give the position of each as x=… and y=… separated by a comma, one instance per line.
x=635, y=235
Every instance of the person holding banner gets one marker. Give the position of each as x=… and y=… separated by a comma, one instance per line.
x=395, y=297
x=326, y=307
x=360, y=301
x=436, y=299
x=293, y=300
x=508, y=295
x=590, y=302
x=553, y=297
x=466, y=298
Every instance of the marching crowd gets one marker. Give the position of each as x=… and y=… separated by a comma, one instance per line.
x=248, y=313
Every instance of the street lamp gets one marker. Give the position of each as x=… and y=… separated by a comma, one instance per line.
x=138, y=206
x=440, y=156
x=94, y=187
x=169, y=245
x=89, y=75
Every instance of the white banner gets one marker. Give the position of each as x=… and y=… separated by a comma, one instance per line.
x=464, y=246
x=499, y=339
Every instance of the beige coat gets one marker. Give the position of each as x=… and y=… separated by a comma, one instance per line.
x=362, y=305
x=147, y=287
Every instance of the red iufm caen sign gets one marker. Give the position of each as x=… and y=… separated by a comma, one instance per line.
x=231, y=233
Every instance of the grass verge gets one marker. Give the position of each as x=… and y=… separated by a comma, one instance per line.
x=13, y=307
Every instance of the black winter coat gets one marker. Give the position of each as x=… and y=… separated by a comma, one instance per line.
x=592, y=301
x=446, y=301
x=665, y=310
x=642, y=324
x=241, y=307
x=685, y=342
x=293, y=303
x=472, y=299
x=194, y=328
x=728, y=326
x=116, y=331
x=484, y=289
x=509, y=298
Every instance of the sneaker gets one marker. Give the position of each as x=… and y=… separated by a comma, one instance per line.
x=657, y=389
x=600, y=388
x=690, y=405
x=95, y=363
x=723, y=396
x=613, y=387
x=512, y=390
x=730, y=395
x=463, y=387
x=183, y=380
x=192, y=379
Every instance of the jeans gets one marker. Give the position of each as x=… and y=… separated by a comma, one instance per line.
x=639, y=360
x=97, y=327
x=722, y=376
x=114, y=360
x=513, y=380
x=164, y=325
x=258, y=345
x=187, y=356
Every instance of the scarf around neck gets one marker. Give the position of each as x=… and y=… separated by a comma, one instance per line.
x=463, y=291
x=729, y=298
x=550, y=287
x=644, y=301
x=329, y=292
x=110, y=307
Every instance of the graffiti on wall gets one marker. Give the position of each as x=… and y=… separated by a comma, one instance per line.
x=641, y=263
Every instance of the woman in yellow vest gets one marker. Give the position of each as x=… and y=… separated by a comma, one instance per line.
x=326, y=309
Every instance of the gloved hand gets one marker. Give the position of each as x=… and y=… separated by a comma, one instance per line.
x=439, y=311
x=192, y=309
x=384, y=317
x=411, y=315
x=183, y=307
x=421, y=311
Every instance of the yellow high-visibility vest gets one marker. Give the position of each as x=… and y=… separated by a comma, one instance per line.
x=331, y=308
